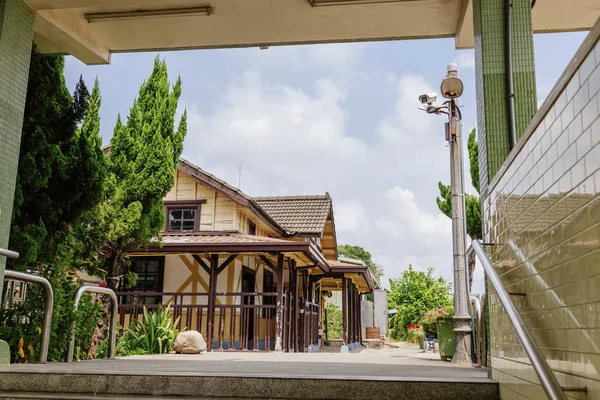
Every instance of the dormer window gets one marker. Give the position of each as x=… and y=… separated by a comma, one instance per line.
x=182, y=217
x=182, y=220
x=251, y=228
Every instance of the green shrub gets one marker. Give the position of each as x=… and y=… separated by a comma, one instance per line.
x=413, y=294
x=21, y=325
x=155, y=333
x=334, y=321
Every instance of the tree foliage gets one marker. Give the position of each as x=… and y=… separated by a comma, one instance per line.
x=142, y=161
x=60, y=179
x=334, y=321
x=360, y=253
x=472, y=204
x=61, y=168
x=412, y=295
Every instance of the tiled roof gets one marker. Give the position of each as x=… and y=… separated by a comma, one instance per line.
x=298, y=214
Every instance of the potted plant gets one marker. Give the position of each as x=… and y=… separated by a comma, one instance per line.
x=438, y=324
x=445, y=331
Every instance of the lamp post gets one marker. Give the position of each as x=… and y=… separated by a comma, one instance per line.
x=452, y=88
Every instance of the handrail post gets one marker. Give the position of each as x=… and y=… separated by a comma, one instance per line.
x=113, y=318
x=478, y=331
x=48, y=303
x=544, y=372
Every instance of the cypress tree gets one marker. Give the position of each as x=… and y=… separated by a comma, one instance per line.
x=142, y=162
x=61, y=171
x=61, y=178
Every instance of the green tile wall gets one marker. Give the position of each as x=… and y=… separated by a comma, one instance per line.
x=490, y=78
x=16, y=37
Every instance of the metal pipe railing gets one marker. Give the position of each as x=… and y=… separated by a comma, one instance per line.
x=113, y=318
x=48, y=304
x=9, y=253
x=478, y=324
x=545, y=374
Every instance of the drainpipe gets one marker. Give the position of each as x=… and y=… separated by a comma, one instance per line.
x=510, y=90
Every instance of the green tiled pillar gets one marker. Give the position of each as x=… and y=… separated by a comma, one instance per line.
x=16, y=37
x=490, y=80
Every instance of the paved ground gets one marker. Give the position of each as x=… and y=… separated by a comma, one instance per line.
x=405, y=363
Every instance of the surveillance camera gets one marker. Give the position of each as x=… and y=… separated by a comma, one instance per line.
x=428, y=98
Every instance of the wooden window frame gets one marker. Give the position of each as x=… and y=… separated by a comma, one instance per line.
x=160, y=277
x=252, y=224
x=194, y=205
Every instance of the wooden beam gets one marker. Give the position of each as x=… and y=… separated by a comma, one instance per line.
x=279, y=316
x=271, y=266
x=201, y=262
x=226, y=263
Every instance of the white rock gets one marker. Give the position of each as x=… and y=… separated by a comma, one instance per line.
x=189, y=342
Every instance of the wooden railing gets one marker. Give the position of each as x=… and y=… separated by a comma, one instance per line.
x=242, y=320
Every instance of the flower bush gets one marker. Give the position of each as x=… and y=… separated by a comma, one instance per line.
x=429, y=319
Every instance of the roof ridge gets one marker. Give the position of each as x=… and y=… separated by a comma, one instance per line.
x=230, y=186
x=294, y=197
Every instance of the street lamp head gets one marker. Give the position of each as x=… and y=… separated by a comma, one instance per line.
x=452, y=86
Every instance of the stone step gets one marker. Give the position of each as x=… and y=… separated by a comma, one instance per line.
x=111, y=386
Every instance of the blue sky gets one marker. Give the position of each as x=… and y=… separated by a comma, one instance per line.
x=337, y=118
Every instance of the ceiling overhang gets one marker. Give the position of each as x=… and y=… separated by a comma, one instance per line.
x=93, y=29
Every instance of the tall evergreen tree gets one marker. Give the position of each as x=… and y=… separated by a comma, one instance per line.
x=142, y=162
x=61, y=171
x=472, y=206
x=61, y=177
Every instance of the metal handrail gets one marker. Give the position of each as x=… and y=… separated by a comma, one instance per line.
x=9, y=253
x=48, y=306
x=113, y=318
x=478, y=324
x=547, y=378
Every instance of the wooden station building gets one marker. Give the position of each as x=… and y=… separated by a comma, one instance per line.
x=248, y=273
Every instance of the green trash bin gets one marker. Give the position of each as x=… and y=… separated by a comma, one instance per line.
x=446, y=338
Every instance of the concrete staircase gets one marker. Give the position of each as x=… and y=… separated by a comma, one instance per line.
x=150, y=386
x=369, y=374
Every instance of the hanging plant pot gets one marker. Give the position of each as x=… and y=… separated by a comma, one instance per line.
x=446, y=338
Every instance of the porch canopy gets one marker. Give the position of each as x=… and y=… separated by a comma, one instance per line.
x=215, y=251
x=353, y=278
x=305, y=254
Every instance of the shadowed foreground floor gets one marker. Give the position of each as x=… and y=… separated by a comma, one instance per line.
x=403, y=373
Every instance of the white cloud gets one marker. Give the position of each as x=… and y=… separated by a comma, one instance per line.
x=408, y=122
x=283, y=134
x=409, y=221
x=465, y=60
x=351, y=216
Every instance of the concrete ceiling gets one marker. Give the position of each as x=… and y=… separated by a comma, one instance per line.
x=61, y=26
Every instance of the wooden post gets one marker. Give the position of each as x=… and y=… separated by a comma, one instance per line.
x=356, y=322
x=279, y=317
x=356, y=319
x=344, y=311
x=351, y=310
x=294, y=290
x=305, y=317
x=212, y=289
x=360, y=339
